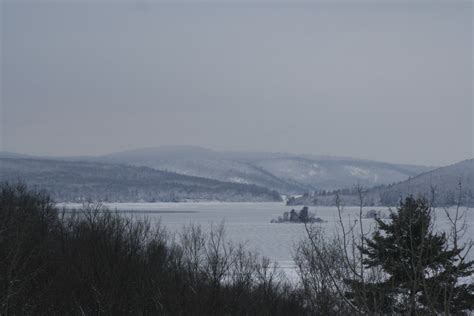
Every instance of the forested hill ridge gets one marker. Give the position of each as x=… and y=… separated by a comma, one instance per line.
x=445, y=181
x=78, y=181
x=449, y=183
x=287, y=173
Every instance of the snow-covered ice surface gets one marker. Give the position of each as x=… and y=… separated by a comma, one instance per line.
x=249, y=223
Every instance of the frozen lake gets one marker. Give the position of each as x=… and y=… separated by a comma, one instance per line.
x=249, y=223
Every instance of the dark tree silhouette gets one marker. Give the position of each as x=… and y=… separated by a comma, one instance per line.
x=422, y=270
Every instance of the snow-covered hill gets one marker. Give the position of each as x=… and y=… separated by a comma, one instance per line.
x=446, y=182
x=287, y=173
x=449, y=184
x=79, y=181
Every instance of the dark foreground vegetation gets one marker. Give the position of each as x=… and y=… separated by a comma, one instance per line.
x=96, y=262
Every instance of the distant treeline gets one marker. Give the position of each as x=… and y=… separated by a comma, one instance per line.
x=383, y=195
x=121, y=192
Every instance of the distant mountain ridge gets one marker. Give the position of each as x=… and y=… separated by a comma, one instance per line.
x=446, y=181
x=283, y=172
x=287, y=173
x=79, y=181
x=8, y=154
x=450, y=184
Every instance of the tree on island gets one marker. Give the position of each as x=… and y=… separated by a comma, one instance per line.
x=421, y=268
x=304, y=214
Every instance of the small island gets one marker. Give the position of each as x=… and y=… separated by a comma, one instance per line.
x=303, y=216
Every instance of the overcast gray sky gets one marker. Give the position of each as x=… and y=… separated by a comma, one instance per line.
x=391, y=81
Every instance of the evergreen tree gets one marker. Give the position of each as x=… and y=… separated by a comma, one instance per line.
x=421, y=270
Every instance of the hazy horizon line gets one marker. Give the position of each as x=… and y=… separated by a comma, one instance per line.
x=216, y=150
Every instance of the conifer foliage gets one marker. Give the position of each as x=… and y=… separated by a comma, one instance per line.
x=422, y=269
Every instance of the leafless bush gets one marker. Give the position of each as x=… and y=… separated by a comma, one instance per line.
x=322, y=270
x=93, y=261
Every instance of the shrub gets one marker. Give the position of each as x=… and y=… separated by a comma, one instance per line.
x=94, y=261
